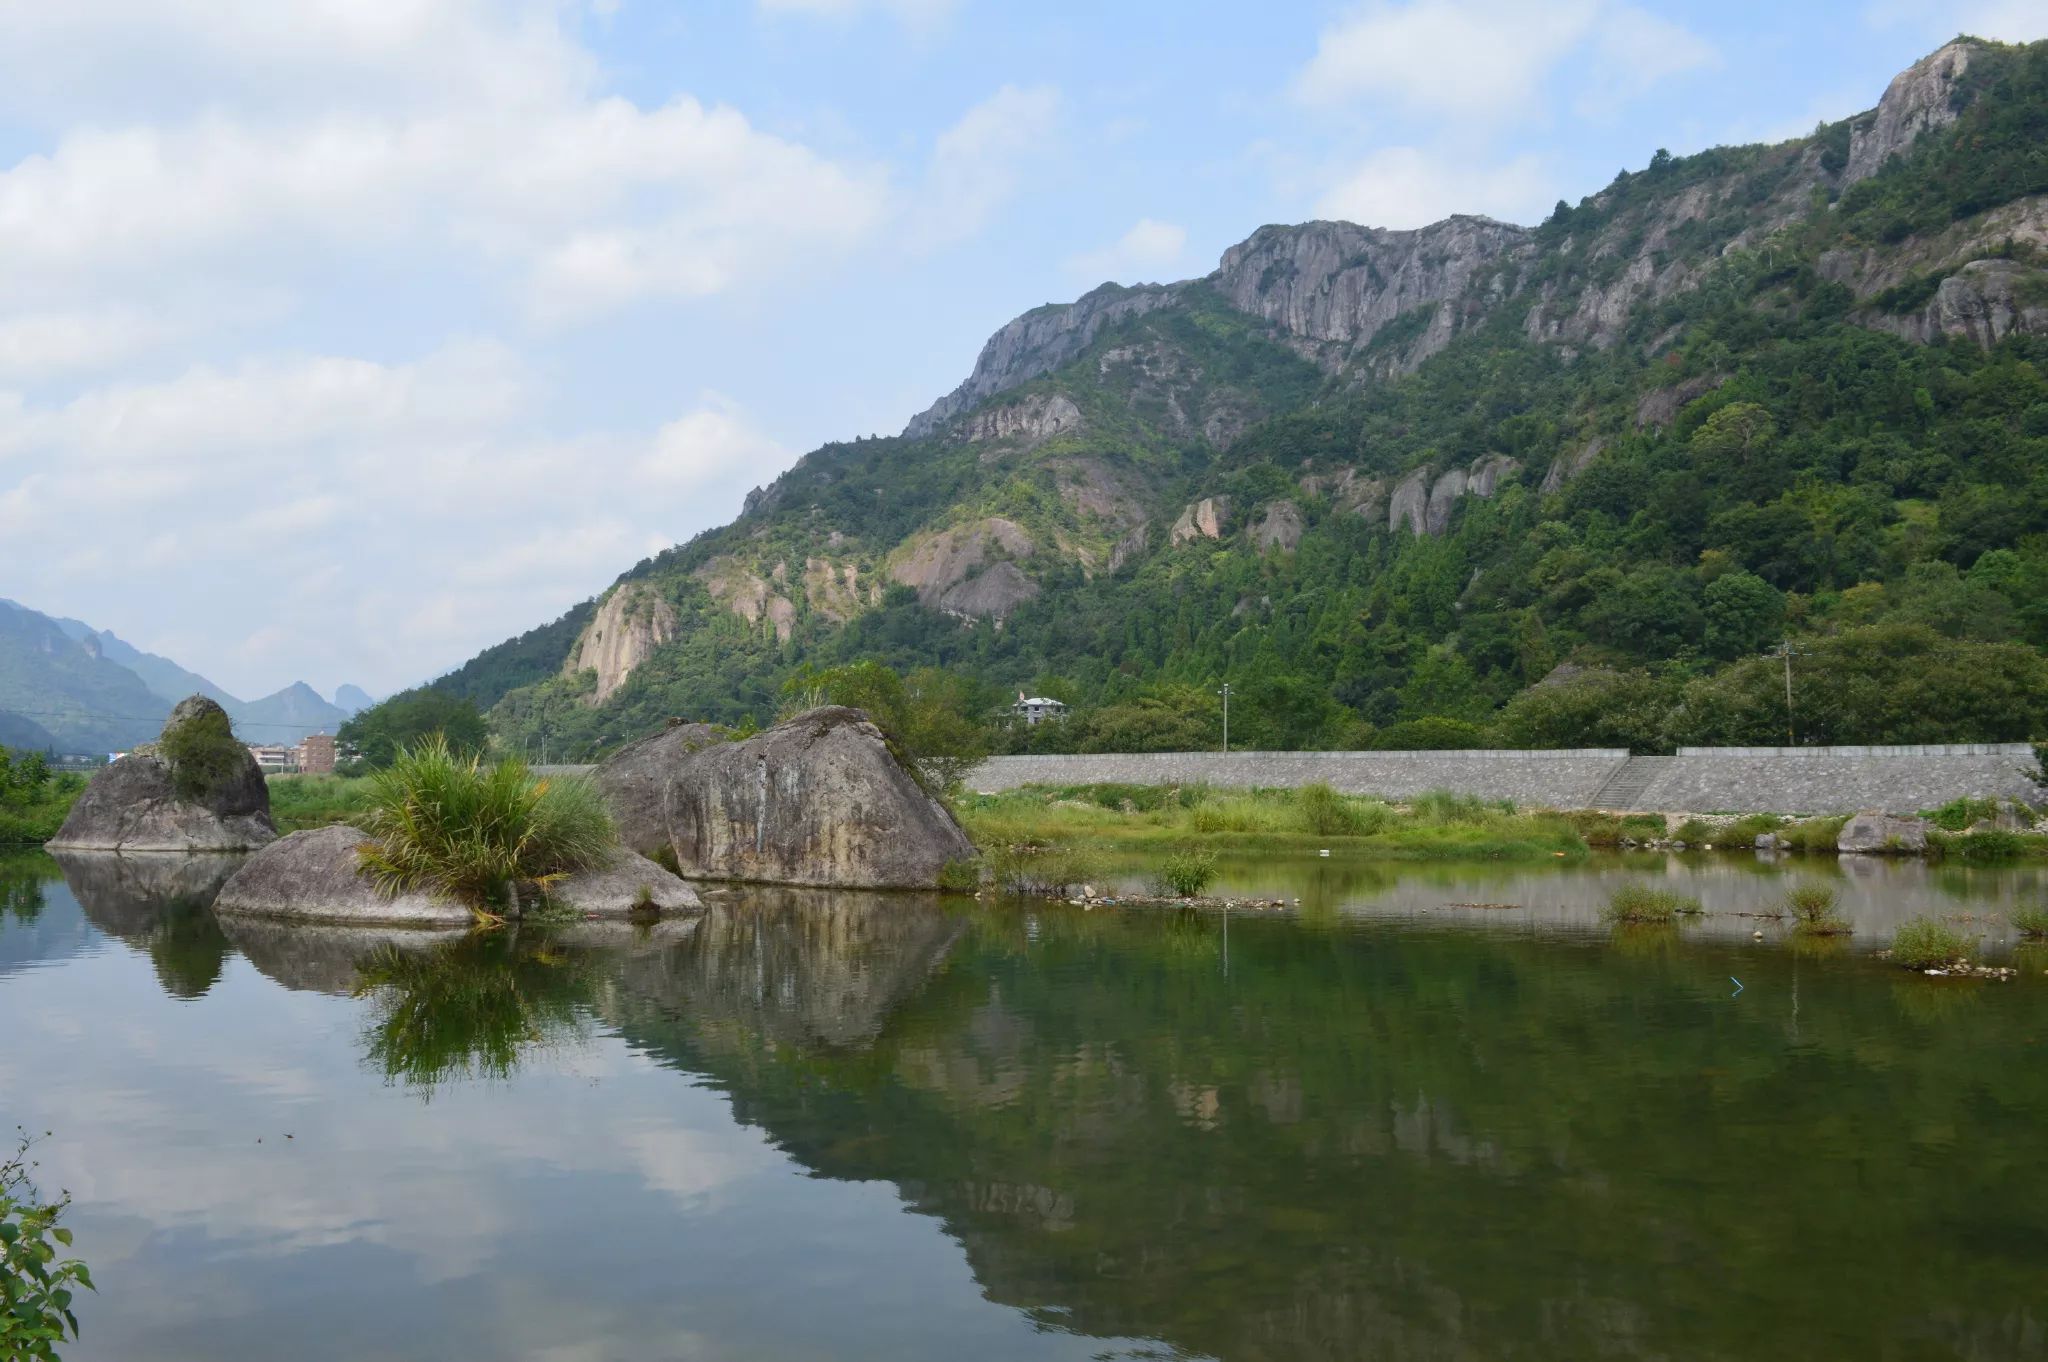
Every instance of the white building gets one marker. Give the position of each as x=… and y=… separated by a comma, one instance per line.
x=1034, y=709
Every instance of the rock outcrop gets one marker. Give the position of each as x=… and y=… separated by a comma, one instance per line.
x=633, y=621
x=969, y=570
x=1919, y=100
x=1037, y=343
x=1879, y=833
x=1424, y=506
x=1202, y=519
x=819, y=800
x=139, y=803
x=635, y=782
x=1032, y=421
x=748, y=594
x=316, y=876
x=1278, y=529
x=1569, y=465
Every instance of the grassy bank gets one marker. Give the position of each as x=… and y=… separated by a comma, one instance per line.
x=30, y=816
x=1431, y=826
x=315, y=801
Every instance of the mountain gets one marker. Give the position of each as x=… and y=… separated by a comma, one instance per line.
x=75, y=698
x=285, y=717
x=164, y=677
x=352, y=699
x=25, y=734
x=1549, y=484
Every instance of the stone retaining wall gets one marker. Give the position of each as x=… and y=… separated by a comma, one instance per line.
x=1560, y=779
x=1811, y=780
x=1841, y=779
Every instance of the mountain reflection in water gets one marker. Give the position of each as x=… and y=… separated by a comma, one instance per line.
x=1175, y=1134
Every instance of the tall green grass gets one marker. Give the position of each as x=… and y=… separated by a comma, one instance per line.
x=1924, y=943
x=1433, y=825
x=443, y=821
x=309, y=801
x=1813, y=911
x=1641, y=905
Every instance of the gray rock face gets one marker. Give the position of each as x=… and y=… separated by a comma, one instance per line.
x=1985, y=301
x=1340, y=284
x=1037, y=343
x=1883, y=832
x=1410, y=503
x=133, y=804
x=1567, y=466
x=1442, y=497
x=819, y=800
x=1661, y=407
x=1033, y=420
x=635, y=782
x=1916, y=102
x=1202, y=519
x=626, y=883
x=1488, y=473
x=315, y=876
x=1279, y=529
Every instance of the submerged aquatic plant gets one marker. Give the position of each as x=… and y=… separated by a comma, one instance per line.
x=1813, y=911
x=1639, y=904
x=1924, y=943
x=447, y=821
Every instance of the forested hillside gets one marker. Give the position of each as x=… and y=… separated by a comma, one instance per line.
x=1470, y=484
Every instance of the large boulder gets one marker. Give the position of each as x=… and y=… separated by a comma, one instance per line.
x=1883, y=833
x=316, y=876
x=819, y=800
x=635, y=782
x=194, y=789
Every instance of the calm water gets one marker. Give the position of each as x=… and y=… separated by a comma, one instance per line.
x=835, y=1126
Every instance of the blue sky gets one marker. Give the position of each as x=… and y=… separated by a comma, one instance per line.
x=339, y=338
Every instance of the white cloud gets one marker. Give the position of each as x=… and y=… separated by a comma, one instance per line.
x=980, y=162
x=1150, y=246
x=1477, y=61
x=1410, y=187
x=400, y=511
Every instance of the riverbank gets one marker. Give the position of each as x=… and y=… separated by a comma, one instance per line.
x=1432, y=826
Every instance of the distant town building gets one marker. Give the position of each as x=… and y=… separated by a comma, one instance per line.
x=1033, y=709
x=273, y=760
x=315, y=754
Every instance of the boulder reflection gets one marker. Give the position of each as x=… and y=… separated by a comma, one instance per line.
x=160, y=903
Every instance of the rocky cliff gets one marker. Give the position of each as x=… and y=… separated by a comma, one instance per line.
x=1335, y=402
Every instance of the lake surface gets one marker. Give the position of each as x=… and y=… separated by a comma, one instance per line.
x=1375, y=1125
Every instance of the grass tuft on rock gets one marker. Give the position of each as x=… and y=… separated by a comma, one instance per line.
x=1639, y=905
x=1924, y=943
x=449, y=822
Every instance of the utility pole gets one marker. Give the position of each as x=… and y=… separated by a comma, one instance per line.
x=1786, y=651
x=1225, y=693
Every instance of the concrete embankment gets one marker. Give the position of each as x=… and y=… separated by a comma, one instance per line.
x=1807, y=780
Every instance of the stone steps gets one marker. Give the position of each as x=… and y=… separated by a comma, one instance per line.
x=1624, y=790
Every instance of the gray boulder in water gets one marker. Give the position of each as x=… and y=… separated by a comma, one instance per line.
x=316, y=876
x=818, y=800
x=136, y=803
x=635, y=782
x=1881, y=833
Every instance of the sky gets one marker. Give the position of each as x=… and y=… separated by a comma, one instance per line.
x=340, y=339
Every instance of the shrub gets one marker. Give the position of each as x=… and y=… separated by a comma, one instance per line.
x=1744, y=831
x=203, y=754
x=1958, y=814
x=1443, y=806
x=1046, y=872
x=1326, y=812
x=1924, y=943
x=2031, y=921
x=961, y=876
x=1639, y=904
x=35, y=1284
x=1813, y=909
x=1186, y=872
x=1815, y=834
x=1695, y=833
x=441, y=820
x=1989, y=845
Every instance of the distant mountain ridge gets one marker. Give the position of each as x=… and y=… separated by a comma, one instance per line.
x=67, y=685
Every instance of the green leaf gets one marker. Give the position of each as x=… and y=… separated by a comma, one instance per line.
x=62, y=1236
x=9, y=1232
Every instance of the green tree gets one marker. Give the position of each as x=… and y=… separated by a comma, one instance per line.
x=1744, y=613
x=407, y=720
x=36, y=1285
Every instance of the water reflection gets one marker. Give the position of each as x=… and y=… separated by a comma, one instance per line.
x=1363, y=1132
x=159, y=903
